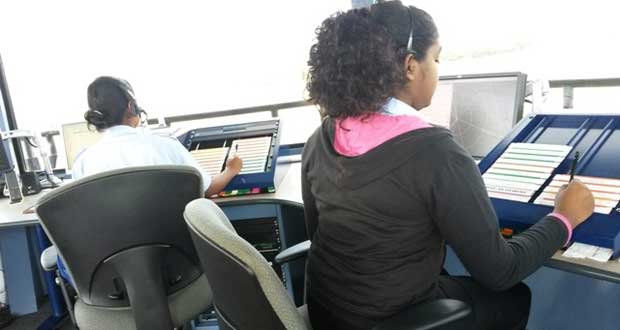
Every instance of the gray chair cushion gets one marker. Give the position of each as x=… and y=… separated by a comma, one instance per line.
x=303, y=311
x=209, y=220
x=184, y=306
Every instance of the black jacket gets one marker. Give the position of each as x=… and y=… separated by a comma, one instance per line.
x=379, y=223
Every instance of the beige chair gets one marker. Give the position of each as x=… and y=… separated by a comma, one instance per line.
x=248, y=295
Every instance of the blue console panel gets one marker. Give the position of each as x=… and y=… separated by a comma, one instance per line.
x=223, y=136
x=597, y=139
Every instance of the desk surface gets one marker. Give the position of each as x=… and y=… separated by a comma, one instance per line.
x=288, y=189
x=13, y=214
x=288, y=192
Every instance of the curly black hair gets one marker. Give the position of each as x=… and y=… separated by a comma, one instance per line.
x=356, y=63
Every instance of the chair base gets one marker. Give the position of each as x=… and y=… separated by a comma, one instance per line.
x=184, y=306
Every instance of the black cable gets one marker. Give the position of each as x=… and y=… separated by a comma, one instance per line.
x=28, y=139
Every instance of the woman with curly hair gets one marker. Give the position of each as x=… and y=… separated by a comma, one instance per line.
x=384, y=190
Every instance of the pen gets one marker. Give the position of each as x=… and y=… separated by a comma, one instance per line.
x=573, y=166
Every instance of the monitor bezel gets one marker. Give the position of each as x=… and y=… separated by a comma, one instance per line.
x=7, y=157
x=64, y=141
x=521, y=85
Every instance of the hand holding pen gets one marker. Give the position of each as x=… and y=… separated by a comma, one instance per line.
x=574, y=200
x=234, y=163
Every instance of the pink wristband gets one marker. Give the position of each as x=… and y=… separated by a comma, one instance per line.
x=566, y=223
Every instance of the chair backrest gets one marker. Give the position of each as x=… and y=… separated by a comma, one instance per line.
x=122, y=237
x=247, y=292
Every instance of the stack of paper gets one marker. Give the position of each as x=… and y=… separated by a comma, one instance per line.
x=253, y=152
x=582, y=251
x=606, y=192
x=522, y=169
x=211, y=159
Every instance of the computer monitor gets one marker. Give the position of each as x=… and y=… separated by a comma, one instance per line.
x=480, y=110
x=77, y=137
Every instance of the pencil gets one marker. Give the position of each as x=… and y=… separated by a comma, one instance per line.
x=573, y=166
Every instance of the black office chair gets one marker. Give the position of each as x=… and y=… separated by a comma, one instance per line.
x=123, y=241
x=248, y=295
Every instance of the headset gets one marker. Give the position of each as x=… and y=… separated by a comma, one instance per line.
x=127, y=90
x=410, y=40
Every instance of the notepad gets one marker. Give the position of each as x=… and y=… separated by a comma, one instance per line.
x=606, y=191
x=521, y=170
x=253, y=152
x=211, y=159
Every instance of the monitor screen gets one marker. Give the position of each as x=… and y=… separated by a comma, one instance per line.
x=480, y=110
x=77, y=137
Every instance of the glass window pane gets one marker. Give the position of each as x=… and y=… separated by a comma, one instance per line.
x=586, y=100
x=298, y=124
x=207, y=55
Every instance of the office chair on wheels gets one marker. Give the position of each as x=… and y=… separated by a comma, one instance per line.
x=249, y=295
x=122, y=238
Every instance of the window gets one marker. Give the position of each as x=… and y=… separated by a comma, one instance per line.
x=298, y=124
x=555, y=40
x=545, y=39
x=181, y=57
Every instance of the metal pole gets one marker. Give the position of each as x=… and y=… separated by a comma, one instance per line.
x=568, y=97
x=9, y=116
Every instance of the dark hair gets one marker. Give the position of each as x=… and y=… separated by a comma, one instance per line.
x=108, y=99
x=356, y=63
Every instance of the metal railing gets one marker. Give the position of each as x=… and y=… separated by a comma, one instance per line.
x=273, y=108
x=569, y=85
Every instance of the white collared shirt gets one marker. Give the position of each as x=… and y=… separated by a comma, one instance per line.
x=124, y=146
x=396, y=107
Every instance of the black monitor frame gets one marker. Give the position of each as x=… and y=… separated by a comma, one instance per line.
x=6, y=164
x=10, y=117
x=519, y=96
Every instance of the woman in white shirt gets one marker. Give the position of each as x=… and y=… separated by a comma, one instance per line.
x=114, y=111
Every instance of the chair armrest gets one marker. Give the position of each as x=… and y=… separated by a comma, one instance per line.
x=49, y=258
x=436, y=314
x=294, y=252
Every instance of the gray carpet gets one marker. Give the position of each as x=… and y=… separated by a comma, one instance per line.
x=32, y=321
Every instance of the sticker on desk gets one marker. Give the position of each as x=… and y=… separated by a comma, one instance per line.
x=520, y=171
x=606, y=192
x=586, y=251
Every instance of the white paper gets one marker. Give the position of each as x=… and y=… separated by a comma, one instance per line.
x=253, y=152
x=606, y=191
x=583, y=251
x=521, y=170
x=211, y=160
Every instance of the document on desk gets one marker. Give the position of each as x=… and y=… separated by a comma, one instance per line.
x=211, y=159
x=586, y=251
x=606, y=192
x=253, y=152
x=520, y=171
